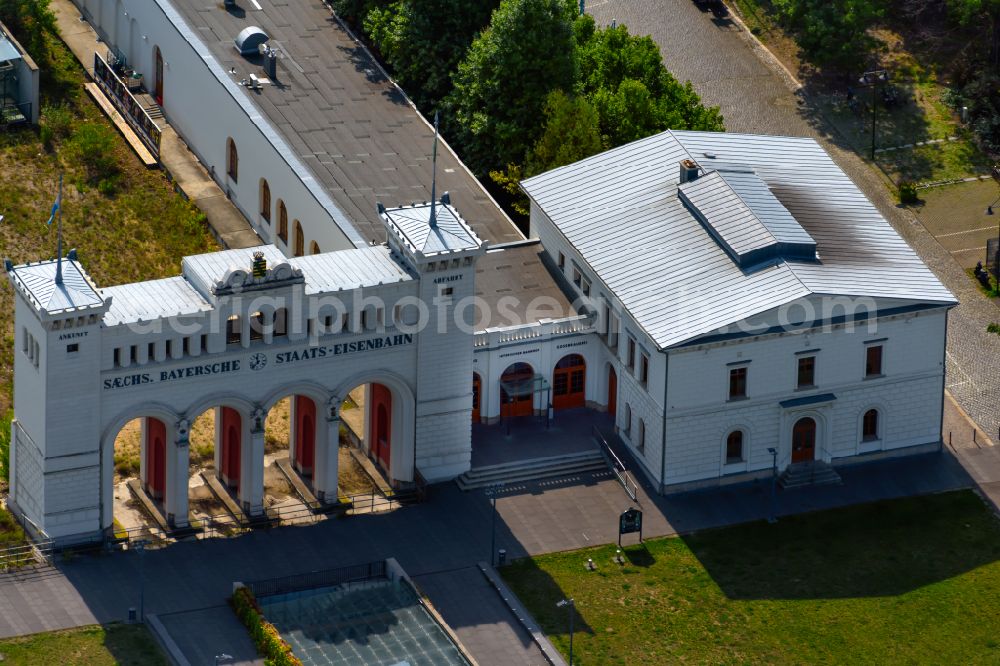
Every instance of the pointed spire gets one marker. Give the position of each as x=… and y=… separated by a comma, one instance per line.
x=59, y=279
x=434, y=163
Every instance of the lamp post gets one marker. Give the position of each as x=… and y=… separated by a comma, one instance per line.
x=772, y=517
x=140, y=548
x=492, y=491
x=568, y=604
x=872, y=79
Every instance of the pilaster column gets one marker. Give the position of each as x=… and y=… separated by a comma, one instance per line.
x=252, y=466
x=175, y=501
x=327, y=463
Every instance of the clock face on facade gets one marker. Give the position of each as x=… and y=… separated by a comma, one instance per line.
x=258, y=361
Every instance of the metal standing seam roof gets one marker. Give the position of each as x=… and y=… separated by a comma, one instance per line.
x=621, y=212
x=449, y=234
x=348, y=131
x=38, y=281
x=351, y=269
x=8, y=51
x=154, y=299
x=204, y=270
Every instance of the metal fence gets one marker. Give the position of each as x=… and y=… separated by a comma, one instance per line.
x=617, y=466
x=314, y=579
x=15, y=557
x=127, y=104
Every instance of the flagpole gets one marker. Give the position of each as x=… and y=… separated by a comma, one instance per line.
x=59, y=232
x=434, y=163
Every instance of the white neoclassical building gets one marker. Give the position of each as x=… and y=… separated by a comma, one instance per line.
x=733, y=302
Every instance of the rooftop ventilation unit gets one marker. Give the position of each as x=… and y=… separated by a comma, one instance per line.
x=250, y=40
x=689, y=171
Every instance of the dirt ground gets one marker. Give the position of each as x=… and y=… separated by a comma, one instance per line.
x=956, y=215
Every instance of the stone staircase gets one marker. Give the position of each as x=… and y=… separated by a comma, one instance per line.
x=531, y=470
x=149, y=105
x=815, y=473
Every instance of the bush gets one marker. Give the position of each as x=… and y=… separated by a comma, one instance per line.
x=269, y=643
x=56, y=124
x=5, y=446
x=29, y=20
x=993, y=328
x=93, y=146
x=908, y=193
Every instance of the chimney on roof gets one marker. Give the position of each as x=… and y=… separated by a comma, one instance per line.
x=689, y=170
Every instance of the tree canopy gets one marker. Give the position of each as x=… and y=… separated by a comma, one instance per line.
x=29, y=20
x=501, y=86
x=832, y=32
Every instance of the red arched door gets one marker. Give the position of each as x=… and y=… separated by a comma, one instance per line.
x=804, y=440
x=305, y=434
x=380, y=426
x=521, y=403
x=569, y=382
x=158, y=78
x=477, y=392
x=612, y=391
x=231, y=440
x=156, y=457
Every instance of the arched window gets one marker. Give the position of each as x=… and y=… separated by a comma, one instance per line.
x=869, y=426
x=232, y=160
x=313, y=247
x=628, y=418
x=734, y=447
x=300, y=241
x=640, y=437
x=265, y=201
x=282, y=222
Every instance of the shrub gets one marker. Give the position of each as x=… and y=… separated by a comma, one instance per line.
x=993, y=328
x=908, y=193
x=5, y=446
x=269, y=643
x=56, y=124
x=93, y=146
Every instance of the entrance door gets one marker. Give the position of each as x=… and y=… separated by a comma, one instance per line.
x=158, y=79
x=231, y=439
x=305, y=434
x=156, y=457
x=521, y=404
x=477, y=391
x=612, y=392
x=380, y=427
x=804, y=440
x=569, y=382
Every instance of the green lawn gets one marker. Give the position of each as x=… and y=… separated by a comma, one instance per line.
x=128, y=645
x=907, y=581
x=140, y=232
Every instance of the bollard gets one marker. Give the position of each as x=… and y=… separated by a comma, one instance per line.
x=949, y=438
x=501, y=557
x=131, y=615
x=973, y=435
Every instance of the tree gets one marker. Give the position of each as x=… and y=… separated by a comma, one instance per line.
x=571, y=134
x=29, y=20
x=832, y=32
x=424, y=40
x=501, y=86
x=967, y=12
x=635, y=95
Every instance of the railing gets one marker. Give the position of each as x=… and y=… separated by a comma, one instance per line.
x=492, y=337
x=127, y=104
x=15, y=557
x=616, y=465
x=314, y=579
x=13, y=113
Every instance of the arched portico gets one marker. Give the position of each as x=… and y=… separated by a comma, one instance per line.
x=398, y=418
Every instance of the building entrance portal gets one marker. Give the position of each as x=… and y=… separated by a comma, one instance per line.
x=516, y=391
x=156, y=457
x=305, y=434
x=158, y=76
x=612, y=391
x=380, y=426
x=804, y=440
x=231, y=439
x=569, y=382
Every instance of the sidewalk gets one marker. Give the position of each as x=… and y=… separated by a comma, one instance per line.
x=176, y=159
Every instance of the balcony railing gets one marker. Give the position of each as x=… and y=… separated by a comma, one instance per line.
x=543, y=328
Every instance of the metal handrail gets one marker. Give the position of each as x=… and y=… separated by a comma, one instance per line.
x=616, y=465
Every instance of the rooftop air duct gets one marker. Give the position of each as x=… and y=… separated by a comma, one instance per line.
x=249, y=41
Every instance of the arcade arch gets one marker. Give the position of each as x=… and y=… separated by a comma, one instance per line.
x=378, y=416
